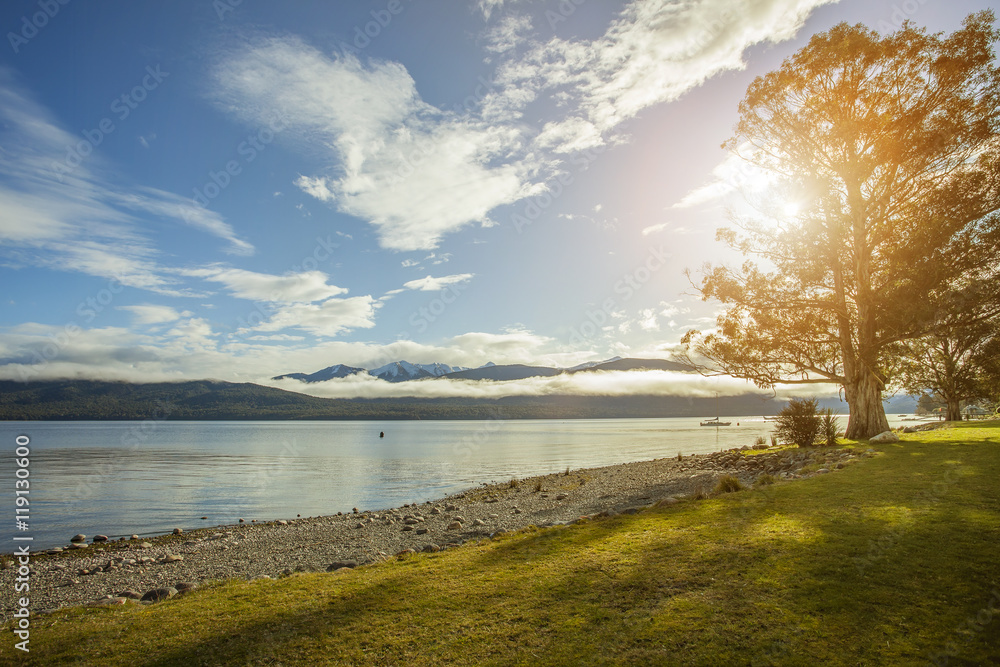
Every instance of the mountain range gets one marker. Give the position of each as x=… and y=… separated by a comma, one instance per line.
x=403, y=371
x=214, y=400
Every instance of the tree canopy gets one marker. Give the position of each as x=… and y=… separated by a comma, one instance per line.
x=885, y=151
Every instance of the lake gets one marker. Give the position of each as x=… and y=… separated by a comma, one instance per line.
x=120, y=478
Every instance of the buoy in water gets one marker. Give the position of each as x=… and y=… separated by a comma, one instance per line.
x=381, y=434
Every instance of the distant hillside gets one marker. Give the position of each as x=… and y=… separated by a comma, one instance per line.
x=637, y=365
x=504, y=373
x=204, y=399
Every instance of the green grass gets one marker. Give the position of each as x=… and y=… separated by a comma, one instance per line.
x=886, y=562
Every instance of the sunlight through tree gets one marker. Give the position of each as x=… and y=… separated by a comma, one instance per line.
x=886, y=153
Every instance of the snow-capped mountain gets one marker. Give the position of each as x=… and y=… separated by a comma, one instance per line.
x=328, y=373
x=401, y=371
x=397, y=371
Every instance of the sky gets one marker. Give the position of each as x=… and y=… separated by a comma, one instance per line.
x=239, y=189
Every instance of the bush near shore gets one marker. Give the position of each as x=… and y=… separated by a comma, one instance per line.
x=889, y=561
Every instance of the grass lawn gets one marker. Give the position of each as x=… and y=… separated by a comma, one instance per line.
x=892, y=560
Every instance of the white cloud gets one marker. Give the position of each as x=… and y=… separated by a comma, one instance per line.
x=278, y=338
x=417, y=173
x=152, y=314
x=594, y=383
x=60, y=210
x=656, y=51
x=508, y=34
x=306, y=287
x=194, y=334
x=570, y=135
x=511, y=346
x=171, y=206
x=429, y=284
x=412, y=171
x=487, y=7
x=647, y=320
x=325, y=319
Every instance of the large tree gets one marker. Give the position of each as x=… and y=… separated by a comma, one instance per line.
x=885, y=153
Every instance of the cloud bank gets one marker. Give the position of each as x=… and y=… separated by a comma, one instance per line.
x=417, y=173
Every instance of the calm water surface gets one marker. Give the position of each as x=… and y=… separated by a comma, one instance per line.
x=119, y=478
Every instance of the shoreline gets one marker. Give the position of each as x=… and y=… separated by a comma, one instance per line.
x=114, y=571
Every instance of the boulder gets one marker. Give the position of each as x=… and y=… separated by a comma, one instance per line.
x=158, y=594
x=78, y=538
x=337, y=565
x=884, y=438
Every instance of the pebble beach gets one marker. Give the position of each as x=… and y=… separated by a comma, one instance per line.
x=93, y=571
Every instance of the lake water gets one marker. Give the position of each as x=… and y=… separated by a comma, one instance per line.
x=120, y=478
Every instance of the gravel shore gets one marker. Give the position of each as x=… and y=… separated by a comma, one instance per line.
x=108, y=571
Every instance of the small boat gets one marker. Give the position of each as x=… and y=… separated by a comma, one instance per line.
x=715, y=422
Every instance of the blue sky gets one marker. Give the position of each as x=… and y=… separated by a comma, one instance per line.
x=235, y=190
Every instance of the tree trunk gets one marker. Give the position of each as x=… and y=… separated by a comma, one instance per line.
x=863, y=388
x=864, y=399
x=954, y=410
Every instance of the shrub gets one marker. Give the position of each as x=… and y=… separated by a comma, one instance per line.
x=829, y=427
x=760, y=440
x=798, y=422
x=728, y=484
x=765, y=480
